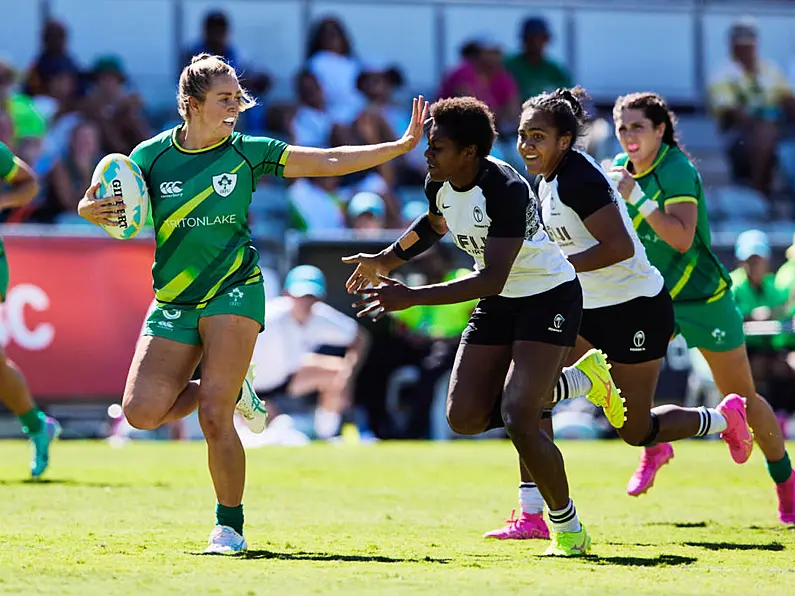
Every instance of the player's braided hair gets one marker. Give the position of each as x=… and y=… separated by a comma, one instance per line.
x=197, y=78
x=654, y=108
x=565, y=107
x=467, y=121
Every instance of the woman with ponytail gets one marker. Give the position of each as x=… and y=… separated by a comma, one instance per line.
x=665, y=198
x=627, y=312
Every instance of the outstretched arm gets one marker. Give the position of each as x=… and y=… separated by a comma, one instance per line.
x=308, y=162
x=421, y=235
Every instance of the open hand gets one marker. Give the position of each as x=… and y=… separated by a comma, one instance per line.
x=389, y=296
x=414, y=133
x=368, y=269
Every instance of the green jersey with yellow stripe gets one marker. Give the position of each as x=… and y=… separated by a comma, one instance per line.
x=199, y=204
x=696, y=275
x=9, y=166
x=8, y=163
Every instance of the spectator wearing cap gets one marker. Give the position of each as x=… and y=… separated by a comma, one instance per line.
x=753, y=285
x=309, y=353
x=366, y=213
x=532, y=70
x=750, y=97
x=117, y=112
x=758, y=299
x=484, y=77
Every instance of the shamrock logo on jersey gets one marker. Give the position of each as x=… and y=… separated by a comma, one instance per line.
x=718, y=335
x=236, y=295
x=224, y=184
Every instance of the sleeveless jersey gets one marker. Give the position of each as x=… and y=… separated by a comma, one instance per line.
x=199, y=203
x=500, y=205
x=578, y=189
x=696, y=275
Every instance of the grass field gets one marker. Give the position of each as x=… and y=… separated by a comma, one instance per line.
x=382, y=519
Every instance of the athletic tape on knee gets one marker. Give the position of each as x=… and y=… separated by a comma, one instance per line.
x=651, y=438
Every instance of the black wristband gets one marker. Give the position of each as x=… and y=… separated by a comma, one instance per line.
x=417, y=239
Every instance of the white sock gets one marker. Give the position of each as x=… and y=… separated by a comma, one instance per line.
x=572, y=383
x=327, y=423
x=712, y=422
x=530, y=499
x=565, y=520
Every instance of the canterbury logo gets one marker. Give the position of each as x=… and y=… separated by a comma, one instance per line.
x=171, y=188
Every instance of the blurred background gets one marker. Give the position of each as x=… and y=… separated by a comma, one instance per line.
x=83, y=78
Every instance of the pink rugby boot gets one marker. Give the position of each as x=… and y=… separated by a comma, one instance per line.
x=786, y=500
x=525, y=527
x=737, y=434
x=651, y=460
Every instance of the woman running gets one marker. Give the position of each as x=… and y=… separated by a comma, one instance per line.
x=208, y=286
x=665, y=199
x=20, y=189
x=627, y=310
x=520, y=334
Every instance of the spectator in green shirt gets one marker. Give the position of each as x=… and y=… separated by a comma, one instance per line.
x=758, y=299
x=25, y=118
x=785, y=276
x=533, y=72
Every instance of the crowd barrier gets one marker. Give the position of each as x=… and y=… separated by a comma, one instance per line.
x=73, y=312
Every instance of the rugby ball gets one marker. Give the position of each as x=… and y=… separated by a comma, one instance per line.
x=120, y=177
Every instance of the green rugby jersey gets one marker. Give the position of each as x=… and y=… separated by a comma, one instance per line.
x=696, y=275
x=199, y=204
x=8, y=169
x=8, y=163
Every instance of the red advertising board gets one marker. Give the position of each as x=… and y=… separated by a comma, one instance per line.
x=73, y=312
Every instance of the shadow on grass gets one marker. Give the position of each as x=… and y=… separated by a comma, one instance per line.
x=309, y=556
x=770, y=546
x=658, y=561
x=777, y=527
x=700, y=524
x=80, y=483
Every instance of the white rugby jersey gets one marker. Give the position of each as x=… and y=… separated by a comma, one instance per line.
x=578, y=189
x=500, y=204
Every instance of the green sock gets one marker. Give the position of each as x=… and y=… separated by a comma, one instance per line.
x=230, y=516
x=781, y=470
x=32, y=421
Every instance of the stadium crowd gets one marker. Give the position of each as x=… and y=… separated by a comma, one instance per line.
x=62, y=117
